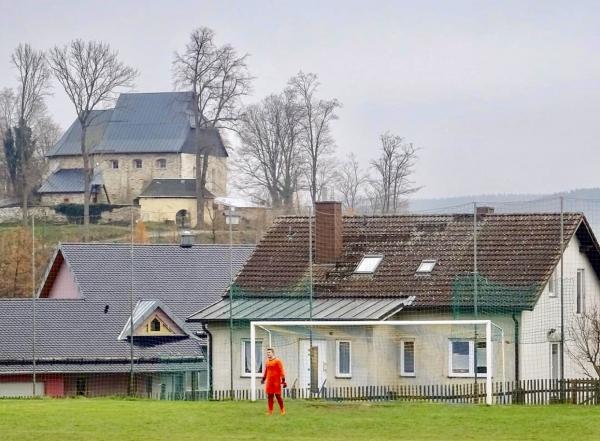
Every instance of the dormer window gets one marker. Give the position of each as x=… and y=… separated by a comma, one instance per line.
x=426, y=266
x=368, y=264
x=155, y=325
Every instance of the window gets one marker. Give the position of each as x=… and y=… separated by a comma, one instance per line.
x=554, y=361
x=137, y=163
x=407, y=358
x=246, y=358
x=426, y=266
x=155, y=325
x=552, y=285
x=342, y=359
x=462, y=358
x=368, y=264
x=161, y=163
x=580, y=291
x=114, y=163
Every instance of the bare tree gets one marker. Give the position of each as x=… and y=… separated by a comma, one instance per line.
x=393, y=168
x=583, y=344
x=33, y=83
x=218, y=78
x=270, y=156
x=8, y=103
x=317, y=115
x=350, y=180
x=91, y=75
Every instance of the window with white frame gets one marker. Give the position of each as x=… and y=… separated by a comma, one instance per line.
x=552, y=285
x=368, y=264
x=580, y=291
x=137, y=163
x=343, y=354
x=407, y=358
x=246, y=355
x=554, y=361
x=161, y=163
x=113, y=163
x=461, y=358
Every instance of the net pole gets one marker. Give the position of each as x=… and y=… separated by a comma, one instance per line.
x=488, y=361
x=230, y=218
x=131, y=354
x=503, y=367
x=475, y=293
x=310, y=290
x=33, y=297
x=562, y=300
x=252, y=362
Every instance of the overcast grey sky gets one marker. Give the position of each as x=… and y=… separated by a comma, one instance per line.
x=501, y=96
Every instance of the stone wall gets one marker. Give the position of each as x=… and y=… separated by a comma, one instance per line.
x=42, y=214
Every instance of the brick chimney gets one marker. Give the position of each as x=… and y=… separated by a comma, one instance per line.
x=328, y=231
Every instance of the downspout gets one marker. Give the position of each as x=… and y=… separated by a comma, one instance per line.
x=514, y=317
x=210, y=360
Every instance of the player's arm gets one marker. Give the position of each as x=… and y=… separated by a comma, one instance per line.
x=282, y=370
x=264, y=377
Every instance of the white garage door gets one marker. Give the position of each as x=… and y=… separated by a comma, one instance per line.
x=20, y=389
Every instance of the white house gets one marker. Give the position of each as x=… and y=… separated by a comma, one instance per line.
x=408, y=267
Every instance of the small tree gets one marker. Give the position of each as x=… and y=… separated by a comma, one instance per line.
x=140, y=234
x=91, y=75
x=218, y=78
x=583, y=344
x=350, y=180
x=393, y=169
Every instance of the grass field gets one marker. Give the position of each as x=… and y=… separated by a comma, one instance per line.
x=132, y=420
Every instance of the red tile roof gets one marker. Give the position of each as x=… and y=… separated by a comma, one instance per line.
x=514, y=250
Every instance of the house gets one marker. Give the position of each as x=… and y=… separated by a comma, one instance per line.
x=83, y=329
x=408, y=267
x=173, y=200
x=145, y=136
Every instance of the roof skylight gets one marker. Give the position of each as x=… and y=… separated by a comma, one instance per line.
x=426, y=266
x=368, y=264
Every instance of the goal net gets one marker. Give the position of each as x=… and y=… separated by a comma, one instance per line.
x=389, y=359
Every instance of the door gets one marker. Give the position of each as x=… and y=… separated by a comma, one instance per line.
x=312, y=371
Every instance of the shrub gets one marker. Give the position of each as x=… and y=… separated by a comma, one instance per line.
x=74, y=212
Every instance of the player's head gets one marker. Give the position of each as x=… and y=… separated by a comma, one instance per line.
x=270, y=353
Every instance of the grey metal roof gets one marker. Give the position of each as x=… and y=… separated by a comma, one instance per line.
x=70, y=142
x=143, y=123
x=170, y=188
x=68, y=180
x=143, y=310
x=298, y=309
x=183, y=280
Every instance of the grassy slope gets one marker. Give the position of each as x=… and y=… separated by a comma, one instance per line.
x=116, y=420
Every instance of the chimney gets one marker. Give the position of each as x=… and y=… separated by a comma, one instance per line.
x=328, y=231
x=187, y=239
x=484, y=210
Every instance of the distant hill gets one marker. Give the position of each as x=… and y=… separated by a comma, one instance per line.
x=585, y=200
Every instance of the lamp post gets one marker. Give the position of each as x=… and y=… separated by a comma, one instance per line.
x=230, y=218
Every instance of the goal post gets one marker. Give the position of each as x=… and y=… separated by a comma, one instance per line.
x=487, y=326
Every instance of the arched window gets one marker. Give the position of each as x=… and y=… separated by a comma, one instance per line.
x=182, y=218
x=137, y=163
x=161, y=163
x=155, y=325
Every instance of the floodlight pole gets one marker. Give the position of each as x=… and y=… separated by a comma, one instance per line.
x=562, y=299
x=475, y=294
x=33, y=297
x=252, y=361
x=131, y=354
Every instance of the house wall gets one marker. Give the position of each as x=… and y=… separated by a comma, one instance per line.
x=165, y=209
x=536, y=324
x=217, y=174
x=62, y=198
x=56, y=162
x=375, y=352
x=64, y=286
x=51, y=385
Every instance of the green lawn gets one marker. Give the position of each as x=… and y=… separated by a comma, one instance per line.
x=116, y=420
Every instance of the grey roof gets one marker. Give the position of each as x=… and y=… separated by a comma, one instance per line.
x=173, y=188
x=80, y=334
x=70, y=142
x=143, y=310
x=143, y=123
x=298, y=309
x=68, y=180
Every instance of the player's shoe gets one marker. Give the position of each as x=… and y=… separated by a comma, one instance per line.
x=282, y=412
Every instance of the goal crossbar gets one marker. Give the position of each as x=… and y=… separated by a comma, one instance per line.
x=488, y=339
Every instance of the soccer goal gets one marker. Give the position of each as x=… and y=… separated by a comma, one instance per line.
x=321, y=356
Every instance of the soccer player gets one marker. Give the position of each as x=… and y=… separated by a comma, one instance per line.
x=274, y=380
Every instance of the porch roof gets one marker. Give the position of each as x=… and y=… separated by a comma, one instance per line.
x=294, y=308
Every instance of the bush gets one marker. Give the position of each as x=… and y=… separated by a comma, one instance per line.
x=74, y=212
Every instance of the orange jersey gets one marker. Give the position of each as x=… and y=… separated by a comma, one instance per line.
x=273, y=376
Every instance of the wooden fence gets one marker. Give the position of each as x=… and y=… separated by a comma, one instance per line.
x=573, y=391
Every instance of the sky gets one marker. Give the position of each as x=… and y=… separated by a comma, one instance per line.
x=499, y=96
